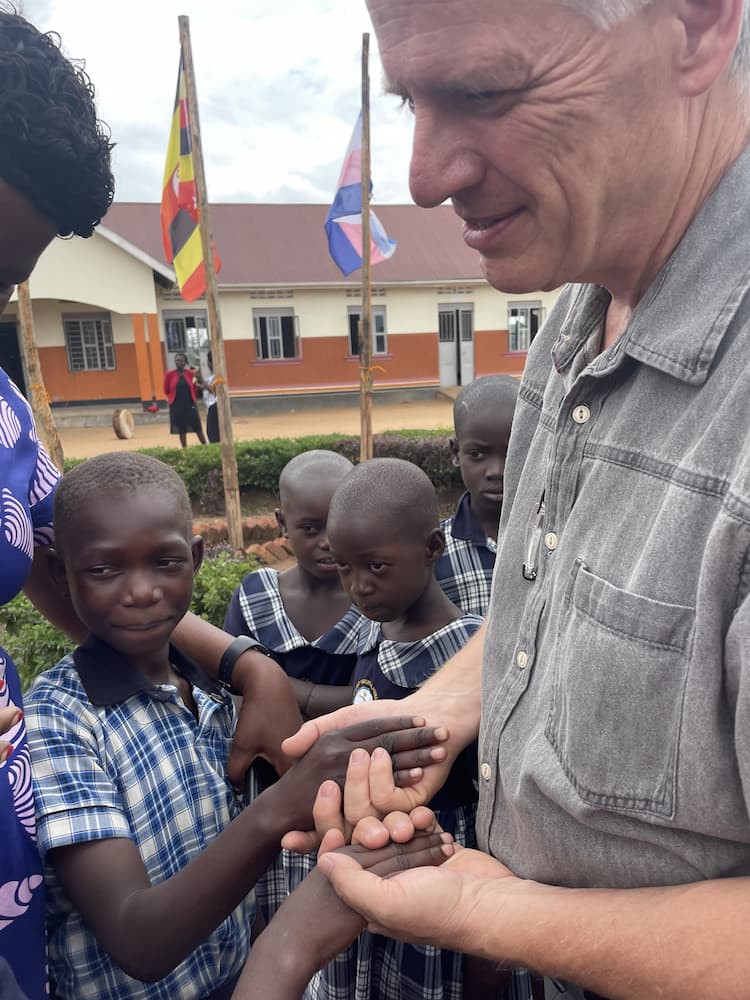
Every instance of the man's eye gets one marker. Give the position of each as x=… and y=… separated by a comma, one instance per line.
x=342, y=567
x=476, y=456
x=170, y=562
x=377, y=567
x=102, y=570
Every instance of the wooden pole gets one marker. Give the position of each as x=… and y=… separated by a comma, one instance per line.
x=365, y=336
x=35, y=388
x=228, y=456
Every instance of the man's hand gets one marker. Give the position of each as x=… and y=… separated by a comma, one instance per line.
x=423, y=905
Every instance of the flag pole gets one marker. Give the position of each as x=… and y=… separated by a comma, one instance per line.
x=35, y=387
x=365, y=337
x=228, y=456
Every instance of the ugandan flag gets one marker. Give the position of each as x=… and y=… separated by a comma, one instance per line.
x=180, y=228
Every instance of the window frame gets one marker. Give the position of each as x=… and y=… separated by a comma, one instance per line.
x=520, y=340
x=103, y=345
x=261, y=315
x=378, y=312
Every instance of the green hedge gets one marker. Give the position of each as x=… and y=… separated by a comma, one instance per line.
x=35, y=645
x=259, y=463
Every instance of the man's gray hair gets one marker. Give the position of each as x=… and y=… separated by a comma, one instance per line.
x=606, y=13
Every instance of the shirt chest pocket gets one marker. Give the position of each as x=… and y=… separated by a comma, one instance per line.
x=621, y=664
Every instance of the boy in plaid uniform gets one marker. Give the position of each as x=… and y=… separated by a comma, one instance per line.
x=150, y=864
x=482, y=417
x=305, y=621
x=384, y=533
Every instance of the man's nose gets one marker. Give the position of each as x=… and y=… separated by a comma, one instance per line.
x=443, y=163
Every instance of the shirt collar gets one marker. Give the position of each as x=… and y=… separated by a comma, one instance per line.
x=680, y=322
x=464, y=525
x=109, y=678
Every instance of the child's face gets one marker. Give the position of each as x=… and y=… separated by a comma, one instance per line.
x=129, y=566
x=383, y=572
x=303, y=520
x=480, y=451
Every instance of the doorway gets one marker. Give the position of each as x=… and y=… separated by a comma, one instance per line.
x=456, y=344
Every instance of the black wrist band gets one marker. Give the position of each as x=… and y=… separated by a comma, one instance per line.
x=233, y=652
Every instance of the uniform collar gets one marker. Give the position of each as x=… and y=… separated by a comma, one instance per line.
x=680, y=322
x=464, y=525
x=109, y=678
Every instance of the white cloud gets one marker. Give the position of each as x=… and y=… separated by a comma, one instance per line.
x=278, y=85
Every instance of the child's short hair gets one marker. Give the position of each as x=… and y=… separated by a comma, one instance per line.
x=116, y=474
x=319, y=461
x=485, y=393
x=389, y=488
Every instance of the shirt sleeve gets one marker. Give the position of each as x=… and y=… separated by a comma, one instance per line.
x=76, y=800
x=234, y=622
x=42, y=488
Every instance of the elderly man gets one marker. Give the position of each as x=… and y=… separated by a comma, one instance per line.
x=599, y=143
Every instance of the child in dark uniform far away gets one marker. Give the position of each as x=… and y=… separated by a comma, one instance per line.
x=150, y=863
x=482, y=418
x=383, y=529
x=305, y=621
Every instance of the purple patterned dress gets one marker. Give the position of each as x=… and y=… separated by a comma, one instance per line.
x=27, y=483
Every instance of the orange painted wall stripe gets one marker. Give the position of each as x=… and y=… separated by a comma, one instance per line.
x=156, y=350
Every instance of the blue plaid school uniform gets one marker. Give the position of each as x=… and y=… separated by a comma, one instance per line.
x=465, y=568
x=27, y=485
x=376, y=967
x=257, y=609
x=115, y=756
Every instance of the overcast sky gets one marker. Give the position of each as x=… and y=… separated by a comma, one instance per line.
x=278, y=84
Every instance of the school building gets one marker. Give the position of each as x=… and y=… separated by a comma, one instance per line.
x=109, y=318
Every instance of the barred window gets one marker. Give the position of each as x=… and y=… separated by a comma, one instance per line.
x=88, y=340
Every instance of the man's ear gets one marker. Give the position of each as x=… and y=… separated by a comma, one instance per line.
x=281, y=521
x=455, y=460
x=709, y=32
x=435, y=545
x=196, y=546
x=57, y=570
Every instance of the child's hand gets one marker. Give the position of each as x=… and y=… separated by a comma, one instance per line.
x=329, y=759
x=268, y=714
x=279, y=970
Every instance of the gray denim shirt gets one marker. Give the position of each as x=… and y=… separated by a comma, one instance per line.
x=615, y=736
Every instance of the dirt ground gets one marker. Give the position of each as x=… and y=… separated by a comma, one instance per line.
x=84, y=442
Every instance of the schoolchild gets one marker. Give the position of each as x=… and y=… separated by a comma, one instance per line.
x=482, y=418
x=305, y=621
x=149, y=861
x=303, y=616
x=384, y=532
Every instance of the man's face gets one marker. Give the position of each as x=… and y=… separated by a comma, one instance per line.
x=24, y=234
x=552, y=139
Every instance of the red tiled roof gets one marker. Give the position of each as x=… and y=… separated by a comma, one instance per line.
x=286, y=244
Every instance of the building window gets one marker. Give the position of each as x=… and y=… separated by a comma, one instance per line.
x=524, y=320
x=276, y=334
x=88, y=340
x=186, y=333
x=379, y=330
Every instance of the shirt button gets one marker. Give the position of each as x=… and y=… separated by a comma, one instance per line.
x=486, y=772
x=581, y=414
x=550, y=541
x=522, y=658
